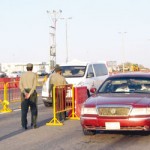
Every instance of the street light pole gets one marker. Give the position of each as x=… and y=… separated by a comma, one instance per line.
x=66, y=23
x=123, y=57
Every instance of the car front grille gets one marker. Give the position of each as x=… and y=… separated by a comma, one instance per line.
x=113, y=111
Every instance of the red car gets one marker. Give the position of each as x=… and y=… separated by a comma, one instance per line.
x=122, y=102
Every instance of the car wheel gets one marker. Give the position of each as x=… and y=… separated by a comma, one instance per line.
x=47, y=104
x=88, y=132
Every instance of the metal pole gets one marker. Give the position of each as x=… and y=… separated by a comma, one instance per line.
x=123, y=57
x=66, y=42
x=55, y=15
x=66, y=23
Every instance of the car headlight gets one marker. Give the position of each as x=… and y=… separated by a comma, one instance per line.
x=85, y=110
x=140, y=111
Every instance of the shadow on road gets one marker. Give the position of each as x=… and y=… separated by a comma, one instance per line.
x=14, y=133
x=11, y=134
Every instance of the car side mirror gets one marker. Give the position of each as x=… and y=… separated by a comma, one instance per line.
x=93, y=90
x=90, y=75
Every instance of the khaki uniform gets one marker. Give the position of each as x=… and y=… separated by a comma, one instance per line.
x=28, y=80
x=27, y=84
x=56, y=79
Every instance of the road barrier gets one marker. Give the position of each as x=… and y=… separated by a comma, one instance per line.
x=80, y=97
x=67, y=100
x=10, y=93
x=61, y=104
x=1, y=91
x=13, y=91
x=5, y=102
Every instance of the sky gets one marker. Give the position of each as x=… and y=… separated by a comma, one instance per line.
x=109, y=30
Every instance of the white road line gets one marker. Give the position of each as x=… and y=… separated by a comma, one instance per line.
x=18, y=109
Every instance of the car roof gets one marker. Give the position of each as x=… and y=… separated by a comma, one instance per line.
x=81, y=63
x=130, y=74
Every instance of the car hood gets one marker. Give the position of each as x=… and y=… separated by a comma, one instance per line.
x=119, y=99
x=74, y=81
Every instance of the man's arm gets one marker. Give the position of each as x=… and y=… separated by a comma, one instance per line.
x=21, y=86
x=33, y=86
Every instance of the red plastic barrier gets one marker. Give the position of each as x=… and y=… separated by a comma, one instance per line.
x=1, y=91
x=80, y=97
x=5, y=80
x=10, y=80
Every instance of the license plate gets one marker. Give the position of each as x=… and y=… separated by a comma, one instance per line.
x=112, y=125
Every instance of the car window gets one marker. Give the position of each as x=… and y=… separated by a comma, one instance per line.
x=133, y=85
x=90, y=71
x=100, y=69
x=73, y=71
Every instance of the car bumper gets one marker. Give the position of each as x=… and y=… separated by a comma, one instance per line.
x=95, y=123
x=46, y=99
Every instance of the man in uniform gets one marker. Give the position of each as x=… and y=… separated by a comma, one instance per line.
x=57, y=79
x=27, y=86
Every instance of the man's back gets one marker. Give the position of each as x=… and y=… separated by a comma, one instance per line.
x=28, y=79
x=57, y=79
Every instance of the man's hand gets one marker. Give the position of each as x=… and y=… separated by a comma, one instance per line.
x=27, y=95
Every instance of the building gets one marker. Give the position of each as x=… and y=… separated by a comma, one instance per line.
x=10, y=67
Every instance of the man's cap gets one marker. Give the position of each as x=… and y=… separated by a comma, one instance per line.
x=58, y=68
x=29, y=65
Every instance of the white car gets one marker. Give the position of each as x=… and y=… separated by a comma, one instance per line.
x=15, y=74
x=79, y=74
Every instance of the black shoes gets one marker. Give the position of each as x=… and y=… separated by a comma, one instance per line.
x=25, y=128
x=34, y=126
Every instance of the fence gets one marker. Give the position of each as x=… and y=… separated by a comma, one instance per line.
x=1, y=91
x=10, y=93
x=66, y=100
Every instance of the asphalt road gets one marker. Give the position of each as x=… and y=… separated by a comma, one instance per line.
x=66, y=137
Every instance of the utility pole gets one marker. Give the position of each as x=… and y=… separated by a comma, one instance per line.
x=123, y=57
x=54, y=15
x=66, y=22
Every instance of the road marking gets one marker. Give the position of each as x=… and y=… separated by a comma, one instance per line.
x=18, y=109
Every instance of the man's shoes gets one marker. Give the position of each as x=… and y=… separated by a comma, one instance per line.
x=25, y=128
x=34, y=126
x=62, y=120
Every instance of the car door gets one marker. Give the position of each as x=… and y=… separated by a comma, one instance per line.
x=90, y=77
x=101, y=73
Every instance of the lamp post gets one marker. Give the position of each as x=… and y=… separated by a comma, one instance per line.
x=123, y=57
x=66, y=23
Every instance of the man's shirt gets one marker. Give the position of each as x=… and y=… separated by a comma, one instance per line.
x=28, y=80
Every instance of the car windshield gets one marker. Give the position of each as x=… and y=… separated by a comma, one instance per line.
x=126, y=85
x=73, y=71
